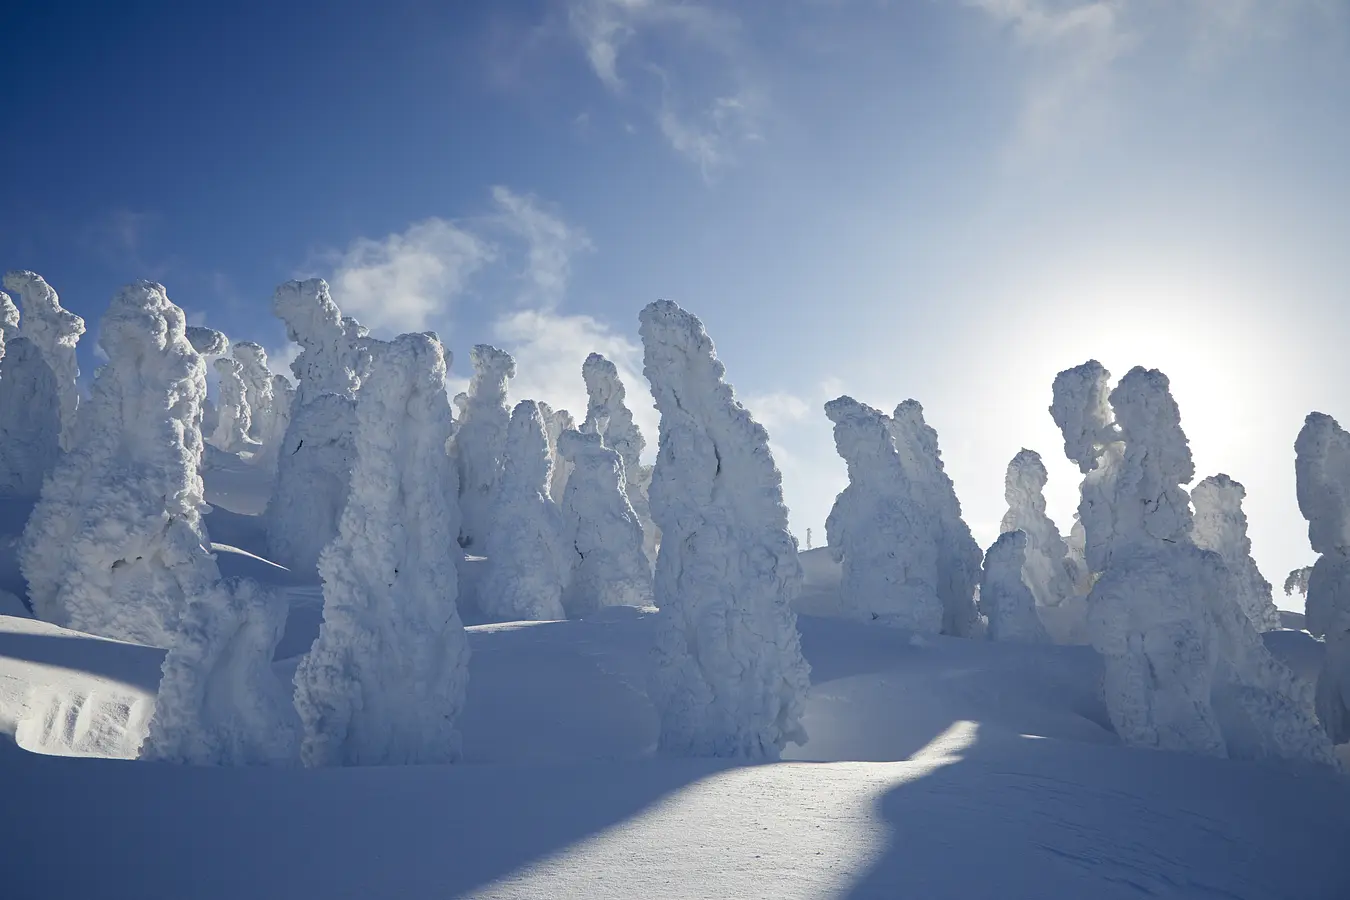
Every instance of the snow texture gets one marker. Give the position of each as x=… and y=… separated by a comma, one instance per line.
x=480, y=440
x=1221, y=526
x=233, y=417
x=30, y=419
x=334, y=351
x=608, y=415
x=731, y=680
x=313, y=477
x=958, y=556
x=529, y=559
x=116, y=538
x=208, y=341
x=219, y=702
x=9, y=320
x=877, y=529
x=1004, y=596
x=385, y=681
x=609, y=565
x=556, y=421
x=55, y=332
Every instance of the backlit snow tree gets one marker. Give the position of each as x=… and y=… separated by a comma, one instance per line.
x=609, y=565
x=480, y=440
x=1004, y=596
x=1221, y=525
x=54, y=332
x=556, y=421
x=730, y=680
x=1048, y=571
x=877, y=529
x=117, y=541
x=529, y=559
x=385, y=681
x=30, y=414
x=608, y=415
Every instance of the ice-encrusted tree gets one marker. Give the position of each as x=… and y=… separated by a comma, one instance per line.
x=233, y=416
x=556, y=421
x=209, y=344
x=257, y=378
x=1322, y=466
x=1049, y=572
x=877, y=530
x=730, y=678
x=480, y=440
x=1220, y=525
x=219, y=702
x=608, y=415
x=30, y=416
x=55, y=332
x=385, y=681
x=529, y=559
x=1296, y=582
x=1004, y=596
x=958, y=556
x=609, y=565
x=117, y=535
x=334, y=351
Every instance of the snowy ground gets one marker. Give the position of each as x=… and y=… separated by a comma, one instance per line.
x=936, y=768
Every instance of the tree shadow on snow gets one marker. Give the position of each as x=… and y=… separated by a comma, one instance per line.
x=131, y=664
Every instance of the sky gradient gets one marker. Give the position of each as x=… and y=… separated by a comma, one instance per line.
x=935, y=199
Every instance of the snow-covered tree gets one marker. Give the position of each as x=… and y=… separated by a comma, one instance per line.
x=958, y=556
x=385, y=681
x=529, y=559
x=878, y=529
x=1296, y=582
x=480, y=440
x=608, y=415
x=207, y=341
x=233, y=417
x=30, y=416
x=117, y=533
x=9, y=320
x=1049, y=571
x=334, y=351
x=730, y=679
x=1004, y=596
x=556, y=421
x=257, y=378
x=1322, y=465
x=609, y=565
x=55, y=332
x=1221, y=526
x=219, y=702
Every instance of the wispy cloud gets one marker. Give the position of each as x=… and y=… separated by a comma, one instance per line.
x=120, y=239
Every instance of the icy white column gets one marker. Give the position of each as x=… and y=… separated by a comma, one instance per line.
x=529, y=559
x=730, y=680
x=30, y=414
x=210, y=344
x=609, y=565
x=55, y=332
x=878, y=529
x=608, y=415
x=1221, y=526
x=480, y=441
x=233, y=416
x=385, y=681
x=958, y=556
x=556, y=421
x=257, y=378
x=117, y=533
x=1092, y=441
x=1004, y=596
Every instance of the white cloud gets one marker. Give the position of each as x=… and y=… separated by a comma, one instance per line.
x=777, y=409
x=550, y=244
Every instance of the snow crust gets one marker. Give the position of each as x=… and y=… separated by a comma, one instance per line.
x=385, y=681
x=608, y=415
x=1004, y=596
x=731, y=680
x=480, y=440
x=529, y=559
x=610, y=567
x=1221, y=526
x=877, y=530
x=117, y=538
x=55, y=332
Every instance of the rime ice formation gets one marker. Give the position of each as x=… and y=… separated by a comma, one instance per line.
x=116, y=542
x=1049, y=571
x=219, y=702
x=958, y=556
x=480, y=440
x=233, y=417
x=313, y=478
x=877, y=530
x=334, y=351
x=1322, y=464
x=1091, y=440
x=556, y=421
x=608, y=415
x=208, y=341
x=529, y=559
x=1296, y=582
x=609, y=565
x=385, y=681
x=55, y=332
x=257, y=378
x=9, y=320
x=1221, y=526
x=30, y=414
x=1004, y=596
x=730, y=680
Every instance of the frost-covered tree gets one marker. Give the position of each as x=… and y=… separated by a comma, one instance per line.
x=385, y=681
x=117, y=536
x=958, y=556
x=55, y=332
x=334, y=351
x=233, y=417
x=1004, y=596
x=730, y=679
x=877, y=529
x=30, y=416
x=209, y=344
x=257, y=378
x=1322, y=465
x=529, y=559
x=1296, y=582
x=480, y=441
x=219, y=702
x=1091, y=440
x=556, y=421
x=609, y=565
x=1221, y=526
x=608, y=415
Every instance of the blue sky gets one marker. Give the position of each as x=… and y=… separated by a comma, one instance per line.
x=941, y=199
